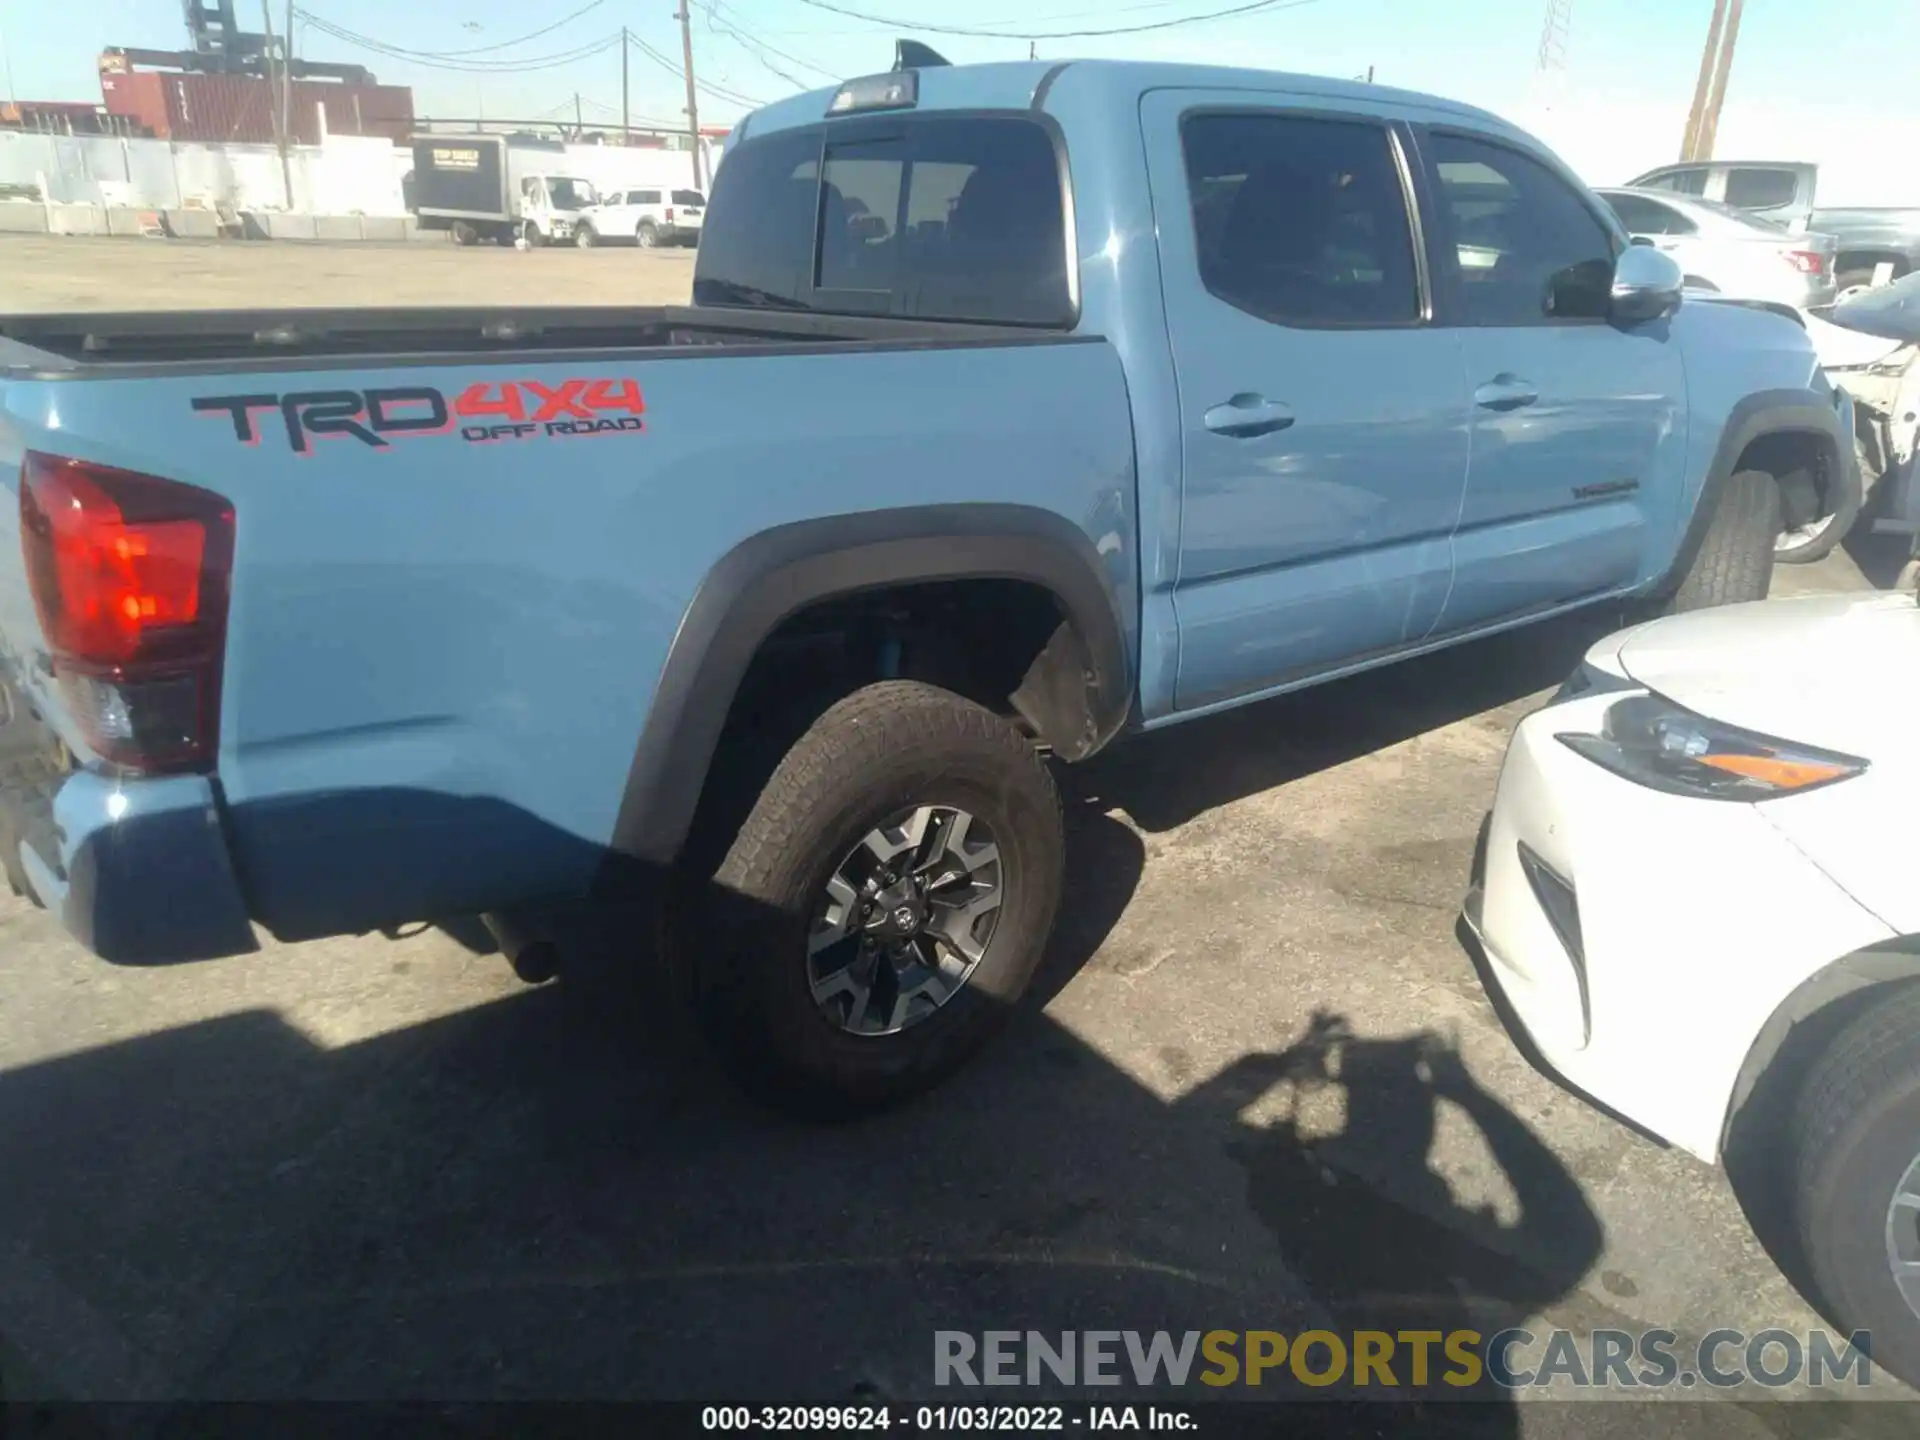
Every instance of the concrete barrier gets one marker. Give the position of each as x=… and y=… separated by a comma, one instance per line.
x=124, y=220
x=21, y=219
x=385, y=227
x=193, y=224
x=335, y=227
x=76, y=219
x=280, y=225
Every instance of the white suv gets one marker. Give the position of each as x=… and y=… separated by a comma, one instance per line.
x=647, y=217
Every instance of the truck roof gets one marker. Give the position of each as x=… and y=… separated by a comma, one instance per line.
x=1014, y=85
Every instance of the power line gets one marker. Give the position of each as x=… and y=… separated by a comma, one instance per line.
x=760, y=48
x=401, y=51
x=894, y=22
x=469, y=67
x=719, y=92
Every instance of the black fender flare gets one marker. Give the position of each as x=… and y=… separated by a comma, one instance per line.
x=777, y=573
x=1766, y=412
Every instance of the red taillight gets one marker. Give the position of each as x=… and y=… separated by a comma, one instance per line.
x=669, y=214
x=1807, y=262
x=129, y=576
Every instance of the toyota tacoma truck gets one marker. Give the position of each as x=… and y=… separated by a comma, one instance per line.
x=1020, y=406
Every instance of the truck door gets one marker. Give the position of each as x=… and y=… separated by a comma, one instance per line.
x=1577, y=425
x=1323, y=417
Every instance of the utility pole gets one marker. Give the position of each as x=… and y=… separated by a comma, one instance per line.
x=279, y=130
x=579, y=124
x=685, y=17
x=1703, y=86
x=626, y=114
x=286, y=75
x=1710, y=122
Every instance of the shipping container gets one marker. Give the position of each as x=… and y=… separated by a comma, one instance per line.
x=240, y=109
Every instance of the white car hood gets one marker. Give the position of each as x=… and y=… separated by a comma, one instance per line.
x=1841, y=672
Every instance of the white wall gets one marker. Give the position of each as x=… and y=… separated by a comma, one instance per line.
x=348, y=175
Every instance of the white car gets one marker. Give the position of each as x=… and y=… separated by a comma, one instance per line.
x=1697, y=895
x=646, y=217
x=1728, y=250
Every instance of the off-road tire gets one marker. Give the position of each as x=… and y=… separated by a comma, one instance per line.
x=741, y=942
x=1854, y=1129
x=646, y=235
x=1735, y=559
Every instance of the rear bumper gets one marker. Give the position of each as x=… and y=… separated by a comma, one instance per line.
x=137, y=870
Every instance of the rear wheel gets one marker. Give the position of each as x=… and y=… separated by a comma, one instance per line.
x=884, y=906
x=1735, y=560
x=646, y=235
x=531, y=236
x=1854, y=1145
x=465, y=234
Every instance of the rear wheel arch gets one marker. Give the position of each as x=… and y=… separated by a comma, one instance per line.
x=1076, y=692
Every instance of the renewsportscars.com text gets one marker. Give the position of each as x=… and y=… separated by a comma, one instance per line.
x=1510, y=1359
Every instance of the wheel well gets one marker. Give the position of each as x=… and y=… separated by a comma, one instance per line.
x=1799, y=461
x=1867, y=259
x=1004, y=644
x=979, y=638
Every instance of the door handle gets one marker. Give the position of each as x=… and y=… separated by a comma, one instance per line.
x=1505, y=392
x=1247, y=415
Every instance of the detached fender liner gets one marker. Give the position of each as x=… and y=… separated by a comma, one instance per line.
x=773, y=575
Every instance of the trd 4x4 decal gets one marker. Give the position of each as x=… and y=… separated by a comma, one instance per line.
x=482, y=413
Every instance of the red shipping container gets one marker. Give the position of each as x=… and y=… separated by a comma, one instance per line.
x=239, y=109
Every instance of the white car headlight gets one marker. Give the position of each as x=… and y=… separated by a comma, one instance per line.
x=1653, y=742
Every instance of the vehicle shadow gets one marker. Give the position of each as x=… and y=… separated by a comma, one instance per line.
x=1165, y=778
x=556, y=1196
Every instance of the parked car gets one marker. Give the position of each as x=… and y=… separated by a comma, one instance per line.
x=1875, y=243
x=647, y=217
x=508, y=189
x=1694, y=900
x=1728, y=250
x=1869, y=344
x=983, y=435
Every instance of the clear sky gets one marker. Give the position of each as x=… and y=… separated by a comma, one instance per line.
x=1828, y=82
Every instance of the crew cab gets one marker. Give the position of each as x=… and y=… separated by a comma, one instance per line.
x=1021, y=406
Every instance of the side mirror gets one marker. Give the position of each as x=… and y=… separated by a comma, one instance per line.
x=1640, y=240
x=1646, y=285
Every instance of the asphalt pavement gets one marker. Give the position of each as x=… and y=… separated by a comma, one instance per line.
x=1265, y=1090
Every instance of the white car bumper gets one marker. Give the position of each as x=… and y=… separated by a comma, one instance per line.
x=1643, y=939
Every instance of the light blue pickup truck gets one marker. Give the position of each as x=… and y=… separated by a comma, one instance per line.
x=1020, y=406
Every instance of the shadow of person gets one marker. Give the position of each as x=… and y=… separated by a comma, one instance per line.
x=1366, y=1220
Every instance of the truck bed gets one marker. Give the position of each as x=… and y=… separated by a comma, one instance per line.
x=243, y=339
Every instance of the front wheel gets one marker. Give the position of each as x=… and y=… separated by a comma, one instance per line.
x=530, y=235
x=647, y=235
x=584, y=237
x=884, y=906
x=1735, y=559
x=1854, y=1145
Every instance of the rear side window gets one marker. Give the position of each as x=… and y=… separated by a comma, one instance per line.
x=689, y=197
x=1523, y=247
x=1753, y=188
x=1642, y=216
x=1301, y=220
x=932, y=218
x=1684, y=182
